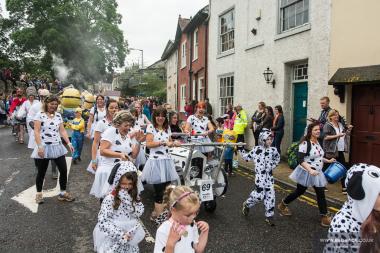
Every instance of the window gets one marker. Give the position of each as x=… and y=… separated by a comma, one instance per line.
x=226, y=31
x=201, y=90
x=226, y=92
x=183, y=97
x=183, y=54
x=293, y=13
x=195, y=46
x=300, y=72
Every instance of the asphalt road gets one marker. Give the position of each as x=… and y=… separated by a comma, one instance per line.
x=67, y=227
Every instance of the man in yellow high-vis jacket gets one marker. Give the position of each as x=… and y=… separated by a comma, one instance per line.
x=240, y=123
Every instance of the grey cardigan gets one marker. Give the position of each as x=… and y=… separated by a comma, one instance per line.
x=330, y=146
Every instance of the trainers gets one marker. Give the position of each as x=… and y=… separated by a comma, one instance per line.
x=55, y=175
x=39, y=198
x=66, y=197
x=344, y=191
x=232, y=174
x=325, y=221
x=245, y=209
x=75, y=161
x=269, y=221
x=326, y=190
x=79, y=159
x=284, y=210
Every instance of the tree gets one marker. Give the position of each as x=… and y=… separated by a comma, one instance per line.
x=84, y=33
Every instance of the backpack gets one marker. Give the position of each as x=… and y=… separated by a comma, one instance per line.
x=292, y=154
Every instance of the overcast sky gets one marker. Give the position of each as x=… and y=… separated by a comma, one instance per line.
x=149, y=24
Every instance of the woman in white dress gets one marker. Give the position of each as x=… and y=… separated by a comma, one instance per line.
x=159, y=169
x=200, y=124
x=115, y=146
x=31, y=113
x=112, y=108
x=141, y=120
x=97, y=113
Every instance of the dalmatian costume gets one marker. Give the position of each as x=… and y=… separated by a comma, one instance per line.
x=363, y=188
x=266, y=160
x=160, y=166
x=114, y=224
x=200, y=126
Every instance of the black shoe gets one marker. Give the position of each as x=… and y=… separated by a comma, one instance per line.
x=79, y=160
x=269, y=221
x=75, y=161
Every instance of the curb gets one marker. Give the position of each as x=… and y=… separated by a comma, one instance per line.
x=335, y=202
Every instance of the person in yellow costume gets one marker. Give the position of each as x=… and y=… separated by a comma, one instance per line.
x=77, y=125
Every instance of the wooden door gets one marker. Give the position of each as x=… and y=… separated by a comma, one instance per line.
x=299, y=110
x=365, y=140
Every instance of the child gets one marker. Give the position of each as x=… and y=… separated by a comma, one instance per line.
x=179, y=234
x=229, y=136
x=118, y=228
x=77, y=125
x=266, y=158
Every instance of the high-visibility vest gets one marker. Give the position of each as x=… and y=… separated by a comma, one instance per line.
x=240, y=122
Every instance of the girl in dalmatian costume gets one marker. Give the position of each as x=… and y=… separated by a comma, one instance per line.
x=200, y=124
x=266, y=159
x=118, y=228
x=363, y=188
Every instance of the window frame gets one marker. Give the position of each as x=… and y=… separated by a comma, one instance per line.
x=195, y=44
x=183, y=55
x=182, y=97
x=281, y=15
x=220, y=47
x=201, y=89
x=227, y=98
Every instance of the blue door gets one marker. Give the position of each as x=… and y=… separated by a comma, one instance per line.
x=299, y=110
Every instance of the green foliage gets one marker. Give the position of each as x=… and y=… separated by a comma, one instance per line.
x=84, y=33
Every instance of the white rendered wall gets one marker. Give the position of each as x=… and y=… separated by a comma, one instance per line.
x=253, y=54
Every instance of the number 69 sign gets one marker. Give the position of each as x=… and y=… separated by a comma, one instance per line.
x=206, y=193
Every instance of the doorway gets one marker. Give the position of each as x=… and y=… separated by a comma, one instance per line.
x=299, y=110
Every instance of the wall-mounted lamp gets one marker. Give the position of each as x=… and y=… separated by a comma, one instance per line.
x=268, y=74
x=254, y=31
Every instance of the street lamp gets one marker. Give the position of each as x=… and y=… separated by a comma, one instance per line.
x=142, y=56
x=268, y=74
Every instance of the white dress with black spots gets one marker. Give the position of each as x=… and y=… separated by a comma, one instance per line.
x=114, y=224
x=200, y=126
x=315, y=159
x=50, y=136
x=159, y=167
x=100, y=127
x=185, y=245
x=119, y=145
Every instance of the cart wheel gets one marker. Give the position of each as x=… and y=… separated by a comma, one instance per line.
x=210, y=206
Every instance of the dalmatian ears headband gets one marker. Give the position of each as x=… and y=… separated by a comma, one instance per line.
x=264, y=135
x=119, y=170
x=363, y=187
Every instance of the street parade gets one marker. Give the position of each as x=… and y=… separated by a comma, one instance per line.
x=195, y=152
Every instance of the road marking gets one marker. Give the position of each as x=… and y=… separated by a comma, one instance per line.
x=302, y=198
x=27, y=197
x=9, y=179
x=11, y=158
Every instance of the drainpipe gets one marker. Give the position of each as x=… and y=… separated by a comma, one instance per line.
x=191, y=65
x=205, y=80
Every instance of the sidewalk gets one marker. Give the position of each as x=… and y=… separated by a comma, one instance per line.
x=281, y=176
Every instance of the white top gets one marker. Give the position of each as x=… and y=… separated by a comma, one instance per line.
x=340, y=142
x=141, y=121
x=160, y=152
x=49, y=127
x=315, y=157
x=185, y=245
x=34, y=109
x=102, y=126
x=199, y=125
x=101, y=114
x=118, y=145
x=26, y=106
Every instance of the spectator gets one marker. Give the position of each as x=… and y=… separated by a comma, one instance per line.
x=146, y=110
x=3, y=113
x=335, y=142
x=240, y=123
x=189, y=110
x=268, y=118
x=208, y=107
x=230, y=110
x=278, y=127
x=257, y=118
x=174, y=126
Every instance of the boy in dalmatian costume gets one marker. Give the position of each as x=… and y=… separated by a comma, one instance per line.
x=363, y=188
x=266, y=159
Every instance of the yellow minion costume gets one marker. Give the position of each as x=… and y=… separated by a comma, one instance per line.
x=78, y=126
